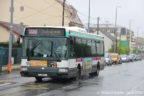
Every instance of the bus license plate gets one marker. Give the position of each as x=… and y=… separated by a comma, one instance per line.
x=38, y=63
x=42, y=75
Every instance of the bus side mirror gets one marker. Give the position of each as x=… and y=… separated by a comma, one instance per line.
x=18, y=41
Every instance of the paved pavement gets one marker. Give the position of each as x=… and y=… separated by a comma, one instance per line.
x=125, y=79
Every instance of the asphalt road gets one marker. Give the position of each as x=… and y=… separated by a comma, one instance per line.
x=125, y=79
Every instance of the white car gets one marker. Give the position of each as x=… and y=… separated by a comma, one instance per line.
x=108, y=59
x=124, y=58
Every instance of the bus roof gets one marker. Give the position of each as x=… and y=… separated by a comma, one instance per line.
x=69, y=29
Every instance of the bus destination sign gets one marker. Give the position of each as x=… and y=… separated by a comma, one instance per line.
x=45, y=31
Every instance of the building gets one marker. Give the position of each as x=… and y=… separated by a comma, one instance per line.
x=5, y=28
x=35, y=13
x=123, y=34
x=140, y=44
x=39, y=13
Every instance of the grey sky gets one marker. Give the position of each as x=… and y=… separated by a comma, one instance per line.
x=130, y=10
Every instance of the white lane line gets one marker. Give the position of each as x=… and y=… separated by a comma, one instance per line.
x=5, y=84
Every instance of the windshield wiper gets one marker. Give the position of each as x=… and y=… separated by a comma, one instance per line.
x=36, y=45
x=51, y=48
x=58, y=58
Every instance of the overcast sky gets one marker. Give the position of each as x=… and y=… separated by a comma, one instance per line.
x=105, y=9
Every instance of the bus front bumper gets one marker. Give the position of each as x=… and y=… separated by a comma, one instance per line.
x=49, y=72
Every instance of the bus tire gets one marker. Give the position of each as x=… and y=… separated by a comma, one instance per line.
x=38, y=79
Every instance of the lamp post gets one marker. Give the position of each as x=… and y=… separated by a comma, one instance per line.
x=115, y=45
x=89, y=17
x=130, y=35
x=63, y=13
x=11, y=31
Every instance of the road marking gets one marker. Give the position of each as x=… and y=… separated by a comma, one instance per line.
x=30, y=87
x=5, y=84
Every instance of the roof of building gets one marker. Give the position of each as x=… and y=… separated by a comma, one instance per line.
x=71, y=13
x=105, y=26
x=17, y=28
x=108, y=35
x=105, y=33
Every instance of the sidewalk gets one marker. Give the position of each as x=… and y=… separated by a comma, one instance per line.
x=14, y=67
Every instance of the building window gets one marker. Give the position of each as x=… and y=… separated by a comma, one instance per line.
x=21, y=23
x=123, y=31
x=22, y=8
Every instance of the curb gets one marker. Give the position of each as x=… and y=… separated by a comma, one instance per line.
x=5, y=68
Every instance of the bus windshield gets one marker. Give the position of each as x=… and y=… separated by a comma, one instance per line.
x=45, y=47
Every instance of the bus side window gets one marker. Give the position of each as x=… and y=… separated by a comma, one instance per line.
x=72, y=52
x=88, y=48
x=95, y=48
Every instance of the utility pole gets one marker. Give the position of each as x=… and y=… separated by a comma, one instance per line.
x=137, y=33
x=116, y=30
x=63, y=14
x=115, y=44
x=98, y=25
x=11, y=31
x=130, y=23
x=137, y=37
x=89, y=18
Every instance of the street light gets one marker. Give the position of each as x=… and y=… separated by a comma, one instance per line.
x=130, y=23
x=11, y=31
x=63, y=12
x=89, y=17
x=115, y=45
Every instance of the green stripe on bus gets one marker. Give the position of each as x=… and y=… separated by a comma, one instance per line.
x=86, y=36
x=67, y=34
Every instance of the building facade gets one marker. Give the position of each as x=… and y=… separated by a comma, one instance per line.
x=5, y=29
x=123, y=34
x=39, y=13
x=35, y=13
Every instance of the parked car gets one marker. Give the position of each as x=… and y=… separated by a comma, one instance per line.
x=139, y=57
x=108, y=59
x=134, y=57
x=130, y=57
x=115, y=58
x=124, y=58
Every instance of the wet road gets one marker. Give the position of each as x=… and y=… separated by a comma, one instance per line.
x=126, y=79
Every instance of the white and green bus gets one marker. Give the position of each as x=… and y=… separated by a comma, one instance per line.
x=60, y=52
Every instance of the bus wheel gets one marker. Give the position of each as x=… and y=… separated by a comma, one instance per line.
x=38, y=79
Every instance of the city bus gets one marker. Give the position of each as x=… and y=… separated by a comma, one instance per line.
x=60, y=52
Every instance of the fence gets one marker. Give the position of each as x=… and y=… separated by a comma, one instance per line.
x=16, y=53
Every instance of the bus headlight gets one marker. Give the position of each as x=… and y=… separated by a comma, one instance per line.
x=54, y=65
x=63, y=70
